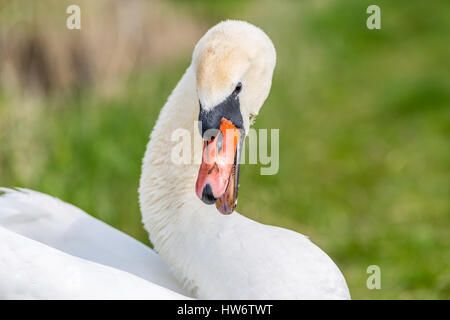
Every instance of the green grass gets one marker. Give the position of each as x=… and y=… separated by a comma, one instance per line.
x=364, y=120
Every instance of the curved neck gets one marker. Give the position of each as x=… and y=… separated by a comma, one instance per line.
x=171, y=212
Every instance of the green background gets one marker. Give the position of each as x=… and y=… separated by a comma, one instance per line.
x=364, y=119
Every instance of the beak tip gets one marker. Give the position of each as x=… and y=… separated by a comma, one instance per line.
x=221, y=173
x=207, y=195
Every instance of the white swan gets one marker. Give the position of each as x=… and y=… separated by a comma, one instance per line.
x=213, y=255
x=50, y=249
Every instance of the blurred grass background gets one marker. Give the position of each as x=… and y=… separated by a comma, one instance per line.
x=364, y=120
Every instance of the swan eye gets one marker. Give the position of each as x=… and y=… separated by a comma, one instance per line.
x=238, y=89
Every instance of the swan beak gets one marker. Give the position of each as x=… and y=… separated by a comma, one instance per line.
x=218, y=177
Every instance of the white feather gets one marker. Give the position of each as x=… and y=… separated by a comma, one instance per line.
x=32, y=270
x=57, y=224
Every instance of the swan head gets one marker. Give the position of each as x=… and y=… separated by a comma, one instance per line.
x=233, y=64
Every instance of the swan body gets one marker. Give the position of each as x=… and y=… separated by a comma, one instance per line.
x=50, y=249
x=211, y=255
x=31, y=270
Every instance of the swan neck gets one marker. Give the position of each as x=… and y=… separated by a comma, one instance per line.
x=167, y=189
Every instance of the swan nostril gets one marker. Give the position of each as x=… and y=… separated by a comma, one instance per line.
x=207, y=195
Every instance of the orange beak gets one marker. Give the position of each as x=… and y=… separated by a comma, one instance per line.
x=218, y=177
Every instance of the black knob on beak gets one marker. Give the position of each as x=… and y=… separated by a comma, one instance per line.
x=207, y=195
x=228, y=109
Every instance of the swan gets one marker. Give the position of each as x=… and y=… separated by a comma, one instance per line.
x=32, y=270
x=203, y=250
x=50, y=249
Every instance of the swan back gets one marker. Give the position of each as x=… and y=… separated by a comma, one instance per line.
x=67, y=228
x=32, y=270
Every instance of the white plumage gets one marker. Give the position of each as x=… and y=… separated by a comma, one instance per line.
x=50, y=249
x=211, y=255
